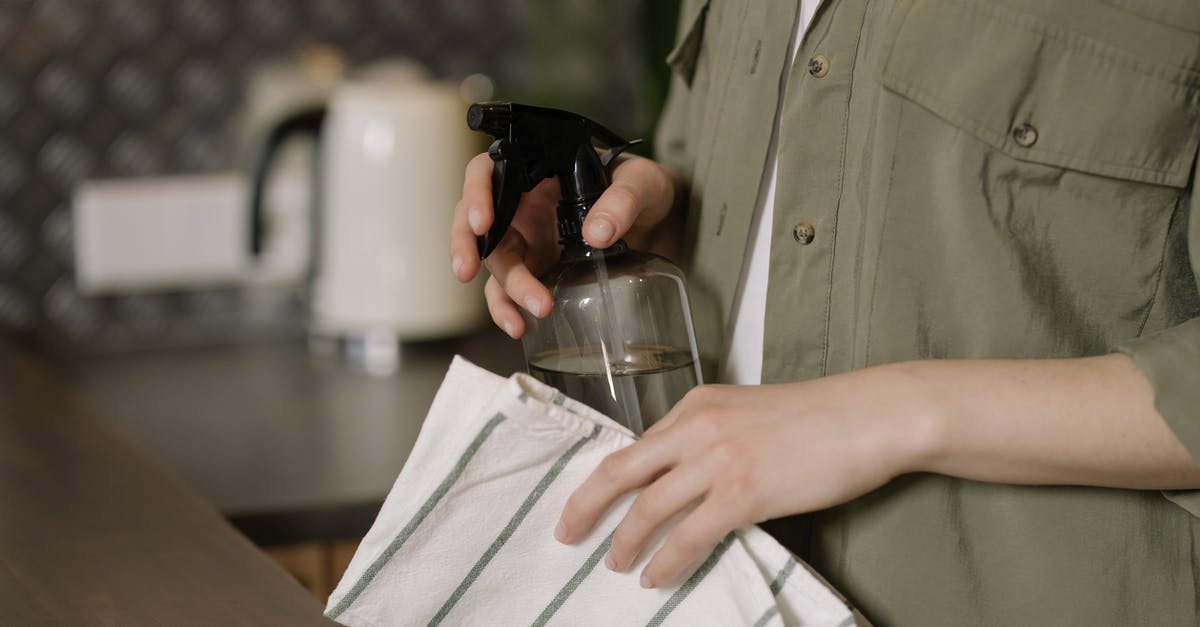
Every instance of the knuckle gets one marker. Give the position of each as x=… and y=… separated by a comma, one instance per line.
x=614, y=467
x=495, y=308
x=707, y=426
x=699, y=396
x=623, y=540
x=517, y=283
x=665, y=188
x=625, y=162
x=492, y=290
x=496, y=299
x=497, y=313
x=644, y=512
x=686, y=541
x=744, y=483
x=730, y=455
x=739, y=494
x=462, y=242
x=703, y=395
x=622, y=200
x=502, y=264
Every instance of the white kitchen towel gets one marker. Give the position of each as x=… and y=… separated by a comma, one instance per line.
x=466, y=535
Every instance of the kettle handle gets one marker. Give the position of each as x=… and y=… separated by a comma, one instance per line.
x=304, y=122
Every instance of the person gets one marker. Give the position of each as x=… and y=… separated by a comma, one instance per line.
x=953, y=290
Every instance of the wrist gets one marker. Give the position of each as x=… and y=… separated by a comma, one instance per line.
x=916, y=417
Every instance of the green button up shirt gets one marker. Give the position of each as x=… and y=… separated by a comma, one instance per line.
x=963, y=179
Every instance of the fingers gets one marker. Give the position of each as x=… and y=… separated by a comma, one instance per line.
x=503, y=310
x=464, y=258
x=477, y=194
x=507, y=265
x=641, y=194
x=656, y=505
x=472, y=217
x=689, y=543
x=685, y=458
x=622, y=471
x=512, y=280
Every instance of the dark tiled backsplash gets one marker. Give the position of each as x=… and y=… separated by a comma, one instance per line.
x=131, y=88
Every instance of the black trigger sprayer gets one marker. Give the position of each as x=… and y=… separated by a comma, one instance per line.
x=619, y=334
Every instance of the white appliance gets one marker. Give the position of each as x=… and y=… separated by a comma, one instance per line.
x=392, y=148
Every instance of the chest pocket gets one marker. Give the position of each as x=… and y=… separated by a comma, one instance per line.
x=1040, y=92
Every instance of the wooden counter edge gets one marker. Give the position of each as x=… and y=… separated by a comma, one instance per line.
x=93, y=532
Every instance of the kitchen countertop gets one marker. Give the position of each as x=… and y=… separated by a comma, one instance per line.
x=92, y=532
x=289, y=446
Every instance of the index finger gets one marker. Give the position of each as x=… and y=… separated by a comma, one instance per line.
x=477, y=193
x=472, y=217
x=641, y=193
x=627, y=469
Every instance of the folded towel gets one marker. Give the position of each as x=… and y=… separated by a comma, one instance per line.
x=465, y=536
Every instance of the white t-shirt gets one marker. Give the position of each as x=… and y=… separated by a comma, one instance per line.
x=741, y=363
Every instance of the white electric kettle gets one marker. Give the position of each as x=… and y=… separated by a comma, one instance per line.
x=392, y=146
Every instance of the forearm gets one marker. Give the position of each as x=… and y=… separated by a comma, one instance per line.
x=753, y=453
x=1088, y=421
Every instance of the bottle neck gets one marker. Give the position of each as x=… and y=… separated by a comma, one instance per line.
x=571, y=214
x=578, y=250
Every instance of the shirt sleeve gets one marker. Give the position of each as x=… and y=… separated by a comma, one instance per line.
x=1170, y=360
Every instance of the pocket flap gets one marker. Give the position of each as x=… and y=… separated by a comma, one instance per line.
x=686, y=52
x=1039, y=92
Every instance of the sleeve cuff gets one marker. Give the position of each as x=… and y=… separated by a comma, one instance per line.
x=1170, y=360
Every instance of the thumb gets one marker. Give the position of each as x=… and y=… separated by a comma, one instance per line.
x=641, y=194
x=611, y=216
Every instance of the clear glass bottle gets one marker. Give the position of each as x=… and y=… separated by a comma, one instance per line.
x=619, y=337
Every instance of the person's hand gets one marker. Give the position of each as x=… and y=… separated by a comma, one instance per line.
x=639, y=198
x=742, y=455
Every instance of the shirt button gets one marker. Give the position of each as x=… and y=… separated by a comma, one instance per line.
x=818, y=66
x=804, y=233
x=1025, y=135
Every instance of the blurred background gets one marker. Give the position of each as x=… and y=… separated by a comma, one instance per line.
x=141, y=89
x=132, y=136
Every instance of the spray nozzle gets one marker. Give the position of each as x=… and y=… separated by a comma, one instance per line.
x=533, y=144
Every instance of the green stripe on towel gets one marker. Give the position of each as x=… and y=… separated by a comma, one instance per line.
x=781, y=578
x=444, y=487
x=569, y=588
x=511, y=527
x=776, y=586
x=682, y=593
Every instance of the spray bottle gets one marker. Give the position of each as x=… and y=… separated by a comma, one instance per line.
x=619, y=335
